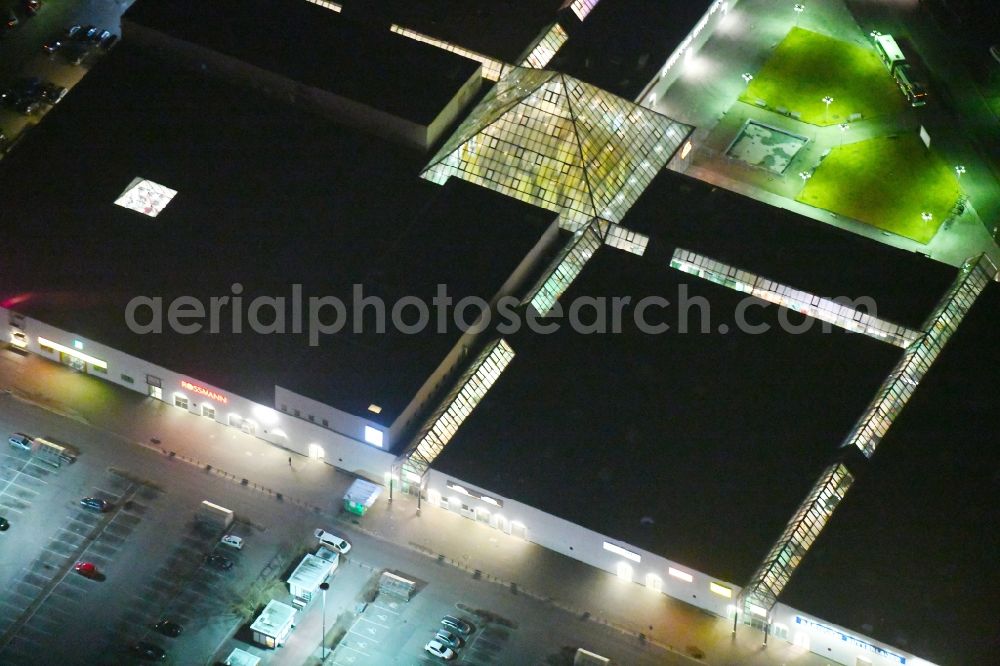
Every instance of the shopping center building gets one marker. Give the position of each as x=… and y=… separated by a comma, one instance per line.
x=703, y=465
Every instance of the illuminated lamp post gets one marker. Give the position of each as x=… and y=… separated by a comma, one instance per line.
x=747, y=78
x=959, y=170
x=843, y=130
x=324, y=586
x=826, y=113
x=799, y=8
x=805, y=175
x=926, y=217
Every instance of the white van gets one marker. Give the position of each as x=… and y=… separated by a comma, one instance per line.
x=332, y=541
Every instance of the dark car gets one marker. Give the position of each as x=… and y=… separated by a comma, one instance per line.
x=95, y=504
x=72, y=30
x=3, y=521
x=109, y=43
x=31, y=7
x=10, y=22
x=27, y=106
x=52, y=46
x=50, y=93
x=149, y=651
x=168, y=628
x=87, y=32
x=219, y=561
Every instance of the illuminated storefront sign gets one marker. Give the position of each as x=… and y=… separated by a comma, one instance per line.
x=201, y=390
x=852, y=640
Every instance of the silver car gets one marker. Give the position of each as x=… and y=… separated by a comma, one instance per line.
x=20, y=441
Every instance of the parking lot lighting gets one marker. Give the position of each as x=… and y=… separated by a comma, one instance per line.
x=926, y=217
x=805, y=175
x=747, y=77
x=959, y=170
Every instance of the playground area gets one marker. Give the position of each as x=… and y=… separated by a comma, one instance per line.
x=767, y=147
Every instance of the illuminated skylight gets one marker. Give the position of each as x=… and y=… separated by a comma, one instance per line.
x=146, y=197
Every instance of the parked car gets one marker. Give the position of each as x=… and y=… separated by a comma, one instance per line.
x=460, y=627
x=232, y=541
x=149, y=651
x=219, y=562
x=332, y=541
x=51, y=93
x=72, y=30
x=447, y=638
x=27, y=106
x=439, y=650
x=52, y=46
x=20, y=441
x=4, y=525
x=86, y=569
x=109, y=43
x=31, y=7
x=104, y=35
x=87, y=32
x=168, y=628
x=995, y=52
x=95, y=504
x=10, y=22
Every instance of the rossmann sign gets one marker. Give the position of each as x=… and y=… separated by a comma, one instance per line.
x=201, y=390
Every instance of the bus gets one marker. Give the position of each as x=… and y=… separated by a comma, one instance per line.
x=904, y=66
x=55, y=454
x=889, y=52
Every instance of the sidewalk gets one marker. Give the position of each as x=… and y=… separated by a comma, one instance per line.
x=523, y=567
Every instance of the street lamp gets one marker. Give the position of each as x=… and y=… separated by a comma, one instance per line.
x=322, y=641
x=828, y=101
x=805, y=175
x=799, y=8
x=874, y=33
x=747, y=77
x=843, y=130
x=926, y=217
x=959, y=170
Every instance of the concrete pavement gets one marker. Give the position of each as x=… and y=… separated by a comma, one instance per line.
x=522, y=567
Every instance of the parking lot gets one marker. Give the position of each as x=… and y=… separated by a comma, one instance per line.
x=40, y=46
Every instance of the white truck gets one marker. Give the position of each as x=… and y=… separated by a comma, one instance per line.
x=213, y=515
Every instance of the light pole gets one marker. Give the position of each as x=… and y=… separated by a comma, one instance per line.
x=926, y=217
x=843, y=130
x=805, y=175
x=324, y=586
x=959, y=170
x=799, y=8
x=747, y=78
x=826, y=113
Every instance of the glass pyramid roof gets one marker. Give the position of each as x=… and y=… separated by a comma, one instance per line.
x=556, y=142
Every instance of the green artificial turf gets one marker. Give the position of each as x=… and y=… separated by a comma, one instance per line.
x=888, y=183
x=807, y=66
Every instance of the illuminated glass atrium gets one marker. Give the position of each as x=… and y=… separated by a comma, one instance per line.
x=556, y=142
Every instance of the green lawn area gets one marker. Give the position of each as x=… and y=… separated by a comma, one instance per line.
x=807, y=66
x=887, y=183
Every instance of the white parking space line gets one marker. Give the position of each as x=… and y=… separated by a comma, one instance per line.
x=353, y=649
x=391, y=607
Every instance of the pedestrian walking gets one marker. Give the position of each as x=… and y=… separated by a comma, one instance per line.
x=289, y=461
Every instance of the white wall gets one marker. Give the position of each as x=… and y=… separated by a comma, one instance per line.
x=294, y=434
x=821, y=637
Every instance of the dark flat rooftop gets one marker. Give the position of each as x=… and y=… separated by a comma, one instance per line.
x=501, y=29
x=679, y=211
x=716, y=437
x=910, y=556
x=268, y=196
x=623, y=43
x=317, y=47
